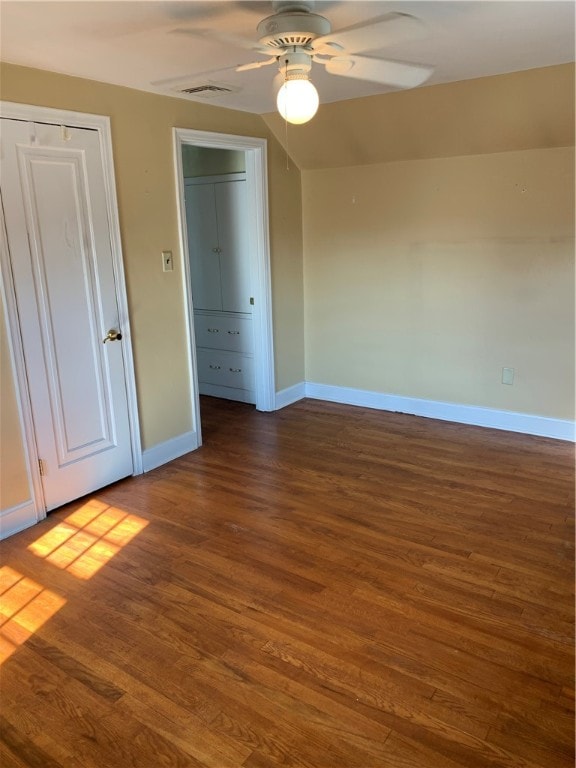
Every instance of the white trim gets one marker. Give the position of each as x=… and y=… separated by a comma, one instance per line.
x=37, y=114
x=121, y=294
x=169, y=450
x=257, y=180
x=101, y=124
x=257, y=177
x=542, y=426
x=187, y=285
x=18, y=518
x=21, y=391
x=290, y=395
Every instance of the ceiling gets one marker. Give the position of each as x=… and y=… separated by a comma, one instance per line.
x=146, y=44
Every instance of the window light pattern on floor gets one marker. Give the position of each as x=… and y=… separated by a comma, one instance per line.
x=81, y=544
x=88, y=538
x=24, y=607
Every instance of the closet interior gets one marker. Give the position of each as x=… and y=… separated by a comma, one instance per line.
x=218, y=249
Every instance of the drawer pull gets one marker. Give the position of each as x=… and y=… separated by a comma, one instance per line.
x=235, y=370
x=234, y=333
x=215, y=367
x=213, y=330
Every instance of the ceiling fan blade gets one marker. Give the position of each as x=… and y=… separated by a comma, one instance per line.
x=174, y=82
x=256, y=65
x=394, y=73
x=371, y=35
x=223, y=37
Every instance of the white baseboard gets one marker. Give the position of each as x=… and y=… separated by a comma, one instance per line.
x=169, y=450
x=16, y=519
x=559, y=429
x=290, y=395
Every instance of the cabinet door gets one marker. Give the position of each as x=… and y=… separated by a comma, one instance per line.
x=203, y=246
x=232, y=215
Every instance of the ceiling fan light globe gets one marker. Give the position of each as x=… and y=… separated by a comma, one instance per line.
x=297, y=101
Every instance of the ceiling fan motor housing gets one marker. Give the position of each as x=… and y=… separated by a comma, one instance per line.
x=295, y=65
x=285, y=30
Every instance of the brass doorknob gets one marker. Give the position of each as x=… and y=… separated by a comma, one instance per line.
x=112, y=335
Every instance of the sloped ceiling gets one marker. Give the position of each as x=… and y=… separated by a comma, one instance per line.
x=521, y=110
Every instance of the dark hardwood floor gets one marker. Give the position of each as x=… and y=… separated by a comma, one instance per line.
x=323, y=586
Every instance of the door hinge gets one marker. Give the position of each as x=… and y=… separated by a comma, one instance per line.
x=42, y=467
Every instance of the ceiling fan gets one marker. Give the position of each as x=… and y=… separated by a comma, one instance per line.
x=294, y=37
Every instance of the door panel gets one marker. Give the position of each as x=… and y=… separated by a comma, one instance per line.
x=54, y=199
x=62, y=263
x=203, y=246
x=232, y=213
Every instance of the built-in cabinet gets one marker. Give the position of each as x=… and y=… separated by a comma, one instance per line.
x=218, y=244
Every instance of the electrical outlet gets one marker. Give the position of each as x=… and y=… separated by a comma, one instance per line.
x=507, y=375
x=167, y=262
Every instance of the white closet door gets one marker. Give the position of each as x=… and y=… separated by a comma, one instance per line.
x=204, y=247
x=232, y=214
x=54, y=200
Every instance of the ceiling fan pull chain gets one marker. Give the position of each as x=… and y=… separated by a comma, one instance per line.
x=286, y=123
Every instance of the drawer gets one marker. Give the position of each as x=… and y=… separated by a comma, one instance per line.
x=221, y=332
x=226, y=369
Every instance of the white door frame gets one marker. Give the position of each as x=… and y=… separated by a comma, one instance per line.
x=100, y=123
x=257, y=188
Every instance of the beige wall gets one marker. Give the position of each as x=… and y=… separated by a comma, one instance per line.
x=14, y=485
x=439, y=243
x=142, y=141
x=285, y=195
x=424, y=278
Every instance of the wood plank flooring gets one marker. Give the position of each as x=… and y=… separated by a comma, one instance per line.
x=322, y=586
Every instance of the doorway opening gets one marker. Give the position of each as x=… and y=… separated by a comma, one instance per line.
x=223, y=218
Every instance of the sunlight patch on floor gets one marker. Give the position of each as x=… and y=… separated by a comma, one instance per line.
x=88, y=538
x=24, y=607
x=81, y=544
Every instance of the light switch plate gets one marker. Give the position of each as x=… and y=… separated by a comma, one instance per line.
x=167, y=262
